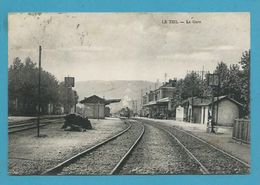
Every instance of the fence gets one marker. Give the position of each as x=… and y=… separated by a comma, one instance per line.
x=241, y=130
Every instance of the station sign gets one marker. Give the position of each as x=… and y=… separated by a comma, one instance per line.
x=213, y=79
x=69, y=81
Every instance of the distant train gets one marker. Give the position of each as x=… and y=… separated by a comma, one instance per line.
x=125, y=112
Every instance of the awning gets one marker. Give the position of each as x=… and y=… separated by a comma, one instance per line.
x=158, y=102
x=150, y=103
x=164, y=100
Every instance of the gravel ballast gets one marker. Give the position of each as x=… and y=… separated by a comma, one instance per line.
x=158, y=153
x=29, y=155
x=214, y=160
x=104, y=159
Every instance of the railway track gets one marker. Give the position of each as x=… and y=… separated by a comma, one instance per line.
x=211, y=159
x=19, y=127
x=159, y=154
x=105, y=158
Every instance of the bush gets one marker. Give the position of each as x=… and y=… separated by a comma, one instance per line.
x=76, y=122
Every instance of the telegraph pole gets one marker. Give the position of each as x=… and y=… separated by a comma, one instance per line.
x=218, y=87
x=212, y=112
x=39, y=94
x=69, y=82
x=141, y=104
x=136, y=106
x=213, y=81
x=68, y=97
x=98, y=111
x=165, y=77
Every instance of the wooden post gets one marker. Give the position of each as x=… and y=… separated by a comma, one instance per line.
x=98, y=110
x=212, y=112
x=39, y=94
x=192, y=103
x=218, y=87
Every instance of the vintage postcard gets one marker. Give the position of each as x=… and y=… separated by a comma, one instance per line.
x=129, y=93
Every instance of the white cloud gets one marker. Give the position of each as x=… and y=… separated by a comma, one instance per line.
x=127, y=45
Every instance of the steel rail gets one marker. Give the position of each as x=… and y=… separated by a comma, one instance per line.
x=216, y=148
x=20, y=125
x=220, y=150
x=203, y=168
x=33, y=123
x=34, y=120
x=23, y=129
x=57, y=168
x=125, y=157
x=29, y=126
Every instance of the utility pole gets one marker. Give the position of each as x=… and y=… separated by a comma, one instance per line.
x=68, y=97
x=202, y=78
x=217, y=102
x=212, y=112
x=141, y=104
x=192, y=104
x=39, y=94
x=202, y=73
x=165, y=77
x=133, y=106
x=141, y=97
x=69, y=83
x=213, y=81
x=136, y=106
x=98, y=111
x=67, y=100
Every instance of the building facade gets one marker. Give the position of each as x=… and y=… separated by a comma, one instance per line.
x=95, y=107
x=157, y=103
x=199, y=110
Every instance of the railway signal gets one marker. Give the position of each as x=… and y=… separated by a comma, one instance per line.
x=69, y=81
x=213, y=82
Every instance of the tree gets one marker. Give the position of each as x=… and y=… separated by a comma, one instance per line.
x=14, y=84
x=235, y=82
x=223, y=72
x=191, y=87
x=67, y=96
x=49, y=90
x=245, y=81
x=23, y=88
x=177, y=93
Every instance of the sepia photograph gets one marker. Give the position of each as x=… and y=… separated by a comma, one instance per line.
x=93, y=94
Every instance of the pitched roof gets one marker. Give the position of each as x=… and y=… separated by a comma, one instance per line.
x=97, y=99
x=112, y=101
x=93, y=99
x=208, y=101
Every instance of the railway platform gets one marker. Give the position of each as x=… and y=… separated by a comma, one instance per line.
x=221, y=140
x=30, y=155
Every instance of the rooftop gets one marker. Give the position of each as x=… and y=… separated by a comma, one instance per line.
x=205, y=101
x=97, y=99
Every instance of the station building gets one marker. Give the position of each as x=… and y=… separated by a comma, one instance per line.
x=157, y=103
x=199, y=110
x=95, y=107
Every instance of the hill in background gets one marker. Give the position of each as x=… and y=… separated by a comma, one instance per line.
x=127, y=91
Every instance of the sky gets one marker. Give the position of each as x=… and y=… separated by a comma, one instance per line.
x=128, y=46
